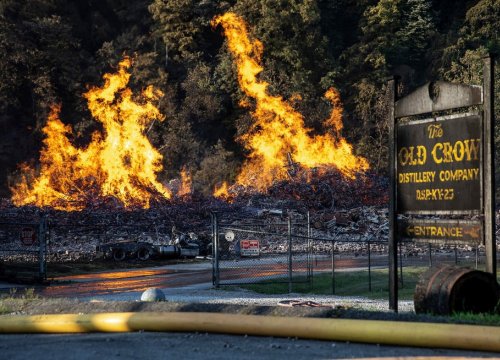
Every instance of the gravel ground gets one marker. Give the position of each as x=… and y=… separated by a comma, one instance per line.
x=245, y=297
x=206, y=294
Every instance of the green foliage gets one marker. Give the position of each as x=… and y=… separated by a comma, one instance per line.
x=463, y=60
x=217, y=166
x=484, y=319
x=27, y=294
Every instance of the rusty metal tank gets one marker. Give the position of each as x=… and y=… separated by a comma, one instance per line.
x=448, y=289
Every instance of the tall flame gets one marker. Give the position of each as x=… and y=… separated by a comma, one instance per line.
x=119, y=161
x=279, y=129
x=185, y=189
x=222, y=192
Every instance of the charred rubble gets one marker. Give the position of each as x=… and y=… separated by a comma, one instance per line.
x=352, y=212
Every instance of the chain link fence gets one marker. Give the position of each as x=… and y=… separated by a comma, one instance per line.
x=23, y=249
x=250, y=251
x=287, y=251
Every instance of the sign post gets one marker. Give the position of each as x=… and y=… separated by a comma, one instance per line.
x=393, y=237
x=441, y=166
x=489, y=163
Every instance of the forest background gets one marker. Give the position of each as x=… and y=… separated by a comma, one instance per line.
x=53, y=50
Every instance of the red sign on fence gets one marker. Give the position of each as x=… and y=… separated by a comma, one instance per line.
x=28, y=236
x=249, y=247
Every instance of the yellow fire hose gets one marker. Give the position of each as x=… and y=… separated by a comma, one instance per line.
x=470, y=337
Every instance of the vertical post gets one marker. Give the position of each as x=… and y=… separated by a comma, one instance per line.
x=401, y=265
x=333, y=267
x=289, y=254
x=489, y=163
x=212, y=215
x=476, y=256
x=393, y=239
x=369, y=267
x=215, y=248
x=456, y=255
x=309, y=250
x=430, y=255
x=42, y=230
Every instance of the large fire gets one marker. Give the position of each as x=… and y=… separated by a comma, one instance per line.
x=279, y=130
x=119, y=162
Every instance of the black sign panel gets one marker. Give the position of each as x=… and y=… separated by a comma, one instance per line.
x=438, y=165
x=441, y=231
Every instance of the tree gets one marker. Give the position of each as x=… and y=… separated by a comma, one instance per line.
x=413, y=38
x=462, y=62
x=39, y=58
x=218, y=165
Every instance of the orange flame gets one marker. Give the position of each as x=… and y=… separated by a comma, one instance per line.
x=119, y=162
x=222, y=192
x=185, y=188
x=279, y=129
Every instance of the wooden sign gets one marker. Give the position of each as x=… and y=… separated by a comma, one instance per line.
x=441, y=231
x=439, y=165
x=442, y=166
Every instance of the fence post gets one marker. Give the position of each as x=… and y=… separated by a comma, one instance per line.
x=289, y=254
x=333, y=267
x=212, y=223
x=42, y=229
x=477, y=256
x=215, y=248
x=309, y=250
x=401, y=263
x=430, y=255
x=369, y=267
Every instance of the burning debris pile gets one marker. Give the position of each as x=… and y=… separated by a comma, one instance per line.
x=119, y=163
x=278, y=133
x=331, y=190
x=113, y=179
x=119, y=166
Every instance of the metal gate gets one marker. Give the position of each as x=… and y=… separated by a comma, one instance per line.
x=23, y=248
x=247, y=251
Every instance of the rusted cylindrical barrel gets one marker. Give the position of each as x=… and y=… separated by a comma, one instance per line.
x=447, y=289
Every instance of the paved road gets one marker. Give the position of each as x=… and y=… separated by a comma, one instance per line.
x=196, y=346
x=182, y=275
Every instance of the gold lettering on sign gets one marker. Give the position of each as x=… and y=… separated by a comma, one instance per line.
x=447, y=152
x=416, y=177
x=435, y=131
x=435, y=194
x=435, y=231
x=413, y=155
x=459, y=175
x=442, y=231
